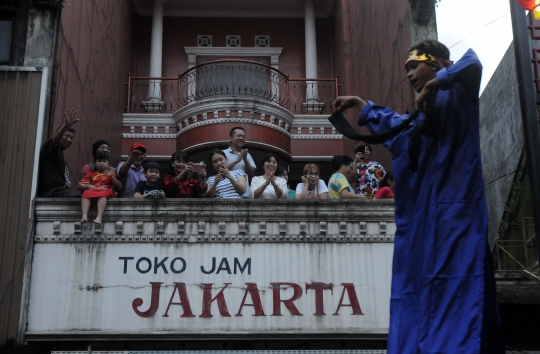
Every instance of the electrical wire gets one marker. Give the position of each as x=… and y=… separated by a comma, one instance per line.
x=472, y=34
x=498, y=178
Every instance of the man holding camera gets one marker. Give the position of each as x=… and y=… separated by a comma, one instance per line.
x=240, y=159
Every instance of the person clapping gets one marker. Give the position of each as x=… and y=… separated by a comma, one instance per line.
x=268, y=186
x=226, y=184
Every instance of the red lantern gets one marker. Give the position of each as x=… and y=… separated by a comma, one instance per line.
x=531, y=5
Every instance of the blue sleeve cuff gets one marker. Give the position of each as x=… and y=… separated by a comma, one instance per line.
x=362, y=119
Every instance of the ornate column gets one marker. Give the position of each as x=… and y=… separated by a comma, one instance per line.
x=154, y=101
x=312, y=94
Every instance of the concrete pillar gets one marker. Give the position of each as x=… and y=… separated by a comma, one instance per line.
x=156, y=51
x=311, y=49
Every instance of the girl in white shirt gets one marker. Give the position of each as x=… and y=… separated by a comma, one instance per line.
x=312, y=187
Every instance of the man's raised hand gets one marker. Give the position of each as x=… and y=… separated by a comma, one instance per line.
x=426, y=97
x=69, y=117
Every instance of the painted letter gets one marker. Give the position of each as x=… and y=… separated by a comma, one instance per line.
x=356, y=310
x=126, y=259
x=224, y=265
x=255, y=298
x=246, y=264
x=319, y=296
x=207, y=301
x=289, y=302
x=154, y=302
x=184, y=300
x=183, y=265
x=213, y=267
x=160, y=264
x=139, y=262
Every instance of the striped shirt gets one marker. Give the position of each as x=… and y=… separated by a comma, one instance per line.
x=225, y=189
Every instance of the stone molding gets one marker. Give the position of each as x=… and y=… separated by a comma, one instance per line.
x=148, y=136
x=234, y=52
x=148, y=119
x=228, y=104
x=210, y=220
x=317, y=136
x=239, y=120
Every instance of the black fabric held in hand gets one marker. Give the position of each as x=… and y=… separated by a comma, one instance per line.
x=338, y=120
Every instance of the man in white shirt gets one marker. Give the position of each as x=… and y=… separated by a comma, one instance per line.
x=238, y=158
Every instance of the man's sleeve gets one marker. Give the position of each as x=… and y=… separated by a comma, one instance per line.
x=379, y=119
x=466, y=71
x=47, y=149
x=251, y=162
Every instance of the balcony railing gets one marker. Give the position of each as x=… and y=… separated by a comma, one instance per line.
x=231, y=78
x=312, y=96
x=152, y=94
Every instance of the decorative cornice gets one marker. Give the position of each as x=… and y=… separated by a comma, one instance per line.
x=148, y=136
x=244, y=104
x=233, y=120
x=148, y=119
x=317, y=136
x=311, y=121
x=339, y=238
x=272, y=52
x=220, y=221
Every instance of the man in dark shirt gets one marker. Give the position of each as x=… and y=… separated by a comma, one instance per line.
x=54, y=176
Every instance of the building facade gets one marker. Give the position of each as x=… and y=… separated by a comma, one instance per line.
x=177, y=75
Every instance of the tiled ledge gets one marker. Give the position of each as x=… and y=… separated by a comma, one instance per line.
x=210, y=220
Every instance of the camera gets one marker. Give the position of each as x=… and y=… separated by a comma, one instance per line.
x=156, y=194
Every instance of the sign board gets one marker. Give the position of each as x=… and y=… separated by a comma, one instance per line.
x=153, y=289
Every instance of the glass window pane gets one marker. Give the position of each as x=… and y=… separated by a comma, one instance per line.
x=5, y=39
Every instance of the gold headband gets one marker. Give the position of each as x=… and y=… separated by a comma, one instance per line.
x=428, y=58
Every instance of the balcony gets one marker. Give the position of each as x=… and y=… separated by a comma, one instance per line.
x=212, y=269
x=231, y=79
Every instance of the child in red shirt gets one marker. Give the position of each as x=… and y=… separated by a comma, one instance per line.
x=98, y=184
x=386, y=187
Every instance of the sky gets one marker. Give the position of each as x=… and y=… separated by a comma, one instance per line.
x=483, y=25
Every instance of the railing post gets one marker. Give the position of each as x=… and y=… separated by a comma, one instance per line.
x=129, y=93
x=337, y=86
x=288, y=94
x=179, y=93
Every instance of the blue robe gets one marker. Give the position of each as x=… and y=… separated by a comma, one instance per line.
x=443, y=297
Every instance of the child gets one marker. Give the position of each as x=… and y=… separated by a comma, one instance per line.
x=151, y=188
x=183, y=181
x=386, y=187
x=98, y=184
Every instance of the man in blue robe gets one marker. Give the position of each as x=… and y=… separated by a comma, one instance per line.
x=443, y=297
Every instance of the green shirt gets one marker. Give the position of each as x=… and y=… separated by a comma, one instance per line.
x=336, y=184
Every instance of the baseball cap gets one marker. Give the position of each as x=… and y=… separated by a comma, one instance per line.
x=137, y=146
